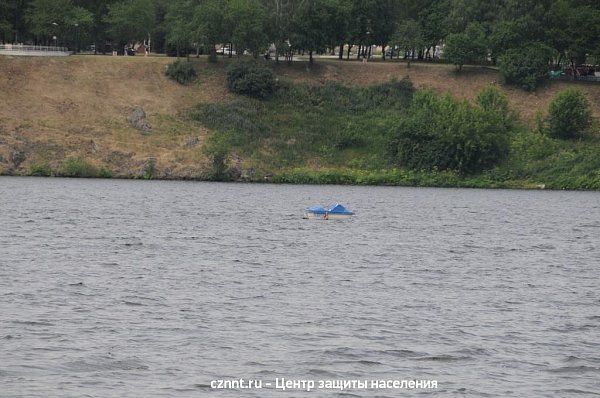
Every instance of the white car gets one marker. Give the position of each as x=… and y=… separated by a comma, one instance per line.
x=225, y=51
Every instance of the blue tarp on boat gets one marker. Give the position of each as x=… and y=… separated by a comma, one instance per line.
x=317, y=209
x=338, y=209
x=333, y=209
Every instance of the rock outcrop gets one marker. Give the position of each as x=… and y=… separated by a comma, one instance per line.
x=138, y=120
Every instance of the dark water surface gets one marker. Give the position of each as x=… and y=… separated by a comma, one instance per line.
x=150, y=289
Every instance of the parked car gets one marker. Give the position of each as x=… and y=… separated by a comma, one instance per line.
x=225, y=51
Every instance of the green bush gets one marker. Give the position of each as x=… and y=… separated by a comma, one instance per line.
x=79, y=167
x=448, y=134
x=493, y=101
x=149, y=170
x=182, y=72
x=569, y=115
x=40, y=170
x=526, y=67
x=217, y=149
x=249, y=77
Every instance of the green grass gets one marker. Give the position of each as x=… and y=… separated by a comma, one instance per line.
x=302, y=125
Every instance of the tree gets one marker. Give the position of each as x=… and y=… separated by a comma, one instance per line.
x=60, y=18
x=99, y=30
x=209, y=21
x=383, y=22
x=248, y=22
x=507, y=35
x=409, y=37
x=6, y=26
x=525, y=66
x=467, y=47
x=569, y=114
x=179, y=24
x=131, y=20
x=279, y=26
x=434, y=23
x=312, y=26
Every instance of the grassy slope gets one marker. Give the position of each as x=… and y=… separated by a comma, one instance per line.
x=52, y=109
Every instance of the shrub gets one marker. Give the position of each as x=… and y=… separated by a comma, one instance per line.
x=526, y=67
x=493, y=101
x=78, y=167
x=251, y=78
x=447, y=134
x=182, y=72
x=569, y=114
x=149, y=170
x=40, y=170
x=217, y=149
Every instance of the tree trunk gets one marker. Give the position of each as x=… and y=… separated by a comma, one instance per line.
x=348, y=53
x=310, y=57
x=341, y=54
x=230, y=50
x=369, y=53
x=358, y=55
x=383, y=52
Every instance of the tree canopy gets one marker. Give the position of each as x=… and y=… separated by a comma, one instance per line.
x=466, y=30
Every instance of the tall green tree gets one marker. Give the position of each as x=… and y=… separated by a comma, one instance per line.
x=279, y=26
x=384, y=21
x=209, y=21
x=131, y=20
x=467, y=47
x=248, y=25
x=434, y=23
x=312, y=27
x=409, y=37
x=179, y=23
x=58, y=18
x=6, y=25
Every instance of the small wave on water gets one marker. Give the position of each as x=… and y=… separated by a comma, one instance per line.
x=106, y=364
x=34, y=323
x=576, y=369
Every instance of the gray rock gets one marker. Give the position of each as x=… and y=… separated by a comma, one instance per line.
x=192, y=142
x=138, y=120
x=17, y=157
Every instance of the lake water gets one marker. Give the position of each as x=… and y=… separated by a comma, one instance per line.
x=115, y=288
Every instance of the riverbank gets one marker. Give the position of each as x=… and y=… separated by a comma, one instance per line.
x=69, y=117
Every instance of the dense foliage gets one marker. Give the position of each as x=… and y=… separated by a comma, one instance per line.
x=467, y=47
x=471, y=31
x=448, y=134
x=181, y=71
x=251, y=78
x=569, y=115
x=527, y=66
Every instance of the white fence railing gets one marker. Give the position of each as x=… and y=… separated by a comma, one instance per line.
x=21, y=47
